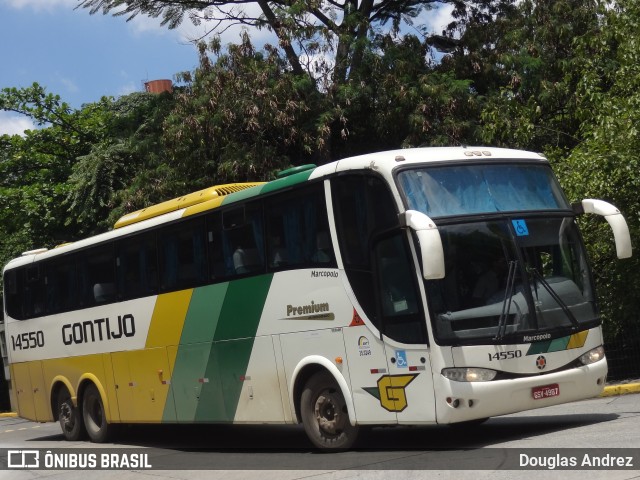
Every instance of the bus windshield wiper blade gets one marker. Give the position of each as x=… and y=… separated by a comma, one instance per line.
x=506, y=303
x=536, y=275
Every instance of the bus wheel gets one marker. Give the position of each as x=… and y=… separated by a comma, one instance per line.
x=69, y=417
x=324, y=414
x=95, y=419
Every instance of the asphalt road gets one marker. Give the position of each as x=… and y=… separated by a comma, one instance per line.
x=594, y=427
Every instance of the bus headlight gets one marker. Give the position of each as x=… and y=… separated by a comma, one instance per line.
x=469, y=374
x=592, y=356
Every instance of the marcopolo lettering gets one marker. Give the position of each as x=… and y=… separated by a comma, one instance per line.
x=99, y=330
x=324, y=273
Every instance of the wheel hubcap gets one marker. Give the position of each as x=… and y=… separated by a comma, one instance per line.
x=329, y=414
x=66, y=416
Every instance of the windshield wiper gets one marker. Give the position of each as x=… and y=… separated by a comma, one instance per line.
x=506, y=303
x=536, y=275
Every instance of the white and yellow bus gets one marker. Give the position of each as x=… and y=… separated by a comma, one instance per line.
x=415, y=287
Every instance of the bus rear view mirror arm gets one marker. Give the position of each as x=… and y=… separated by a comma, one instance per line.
x=616, y=221
x=430, y=243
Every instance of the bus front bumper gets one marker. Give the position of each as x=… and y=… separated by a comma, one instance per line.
x=464, y=401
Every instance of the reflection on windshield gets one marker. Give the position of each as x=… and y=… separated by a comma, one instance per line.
x=471, y=189
x=499, y=283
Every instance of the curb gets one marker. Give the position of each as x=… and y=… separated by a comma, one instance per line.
x=8, y=414
x=621, y=389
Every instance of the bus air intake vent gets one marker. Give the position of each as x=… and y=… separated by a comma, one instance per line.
x=183, y=202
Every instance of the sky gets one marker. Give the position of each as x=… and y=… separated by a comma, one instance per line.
x=82, y=57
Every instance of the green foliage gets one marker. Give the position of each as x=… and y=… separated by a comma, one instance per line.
x=240, y=118
x=538, y=60
x=606, y=165
x=304, y=28
x=35, y=168
x=127, y=170
x=400, y=100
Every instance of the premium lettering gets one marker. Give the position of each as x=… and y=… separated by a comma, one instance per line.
x=307, y=309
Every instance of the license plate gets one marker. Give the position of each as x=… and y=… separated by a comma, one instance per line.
x=545, y=391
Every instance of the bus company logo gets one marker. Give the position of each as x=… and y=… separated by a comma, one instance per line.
x=99, y=330
x=541, y=362
x=312, y=311
x=391, y=391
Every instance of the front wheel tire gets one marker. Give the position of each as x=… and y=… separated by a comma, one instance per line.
x=324, y=414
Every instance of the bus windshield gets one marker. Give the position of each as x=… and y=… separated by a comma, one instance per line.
x=513, y=277
x=472, y=189
x=500, y=285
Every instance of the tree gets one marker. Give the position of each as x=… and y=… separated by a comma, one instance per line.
x=80, y=170
x=241, y=117
x=403, y=99
x=538, y=59
x=127, y=169
x=307, y=30
x=605, y=164
x=34, y=168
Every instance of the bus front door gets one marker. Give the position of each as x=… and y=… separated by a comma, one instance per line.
x=407, y=389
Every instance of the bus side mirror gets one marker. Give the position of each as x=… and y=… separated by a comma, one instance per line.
x=430, y=243
x=616, y=221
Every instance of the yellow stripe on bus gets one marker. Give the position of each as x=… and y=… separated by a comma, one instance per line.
x=577, y=340
x=168, y=319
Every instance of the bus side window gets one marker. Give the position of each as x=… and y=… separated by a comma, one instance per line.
x=15, y=294
x=137, y=267
x=399, y=301
x=298, y=230
x=219, y=250
x=96, y=276
x=243, y=236
x=61, y=285
x=33, y=295
x=182, y=255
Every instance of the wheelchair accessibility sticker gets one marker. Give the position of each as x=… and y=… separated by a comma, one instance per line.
x=401, y=359
x=520, y=226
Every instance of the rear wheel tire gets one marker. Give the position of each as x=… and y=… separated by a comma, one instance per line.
x=69, y=417
x=324, y=414
x=95, y=419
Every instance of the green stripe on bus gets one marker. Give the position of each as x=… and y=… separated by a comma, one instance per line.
x=242, y=307
x=215, y=349
x=539, y=347
x=242, y=194
x=204, y=313
x=233, y=342
x=547, y=346
x=190, y=369
x=559, y=344
x=287, y=181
